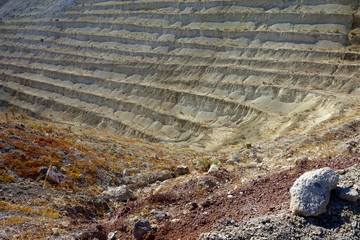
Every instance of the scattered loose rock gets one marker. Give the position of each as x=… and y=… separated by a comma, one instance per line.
x=231, y=162
x=191, y=206
x=111, y=236
x=43, y=170
x=257, y=160
x=80, y=211
x=182, y=170
x=213, y=168
x=207, y=182
x=141, y=228
x=159, y=215
x=310, y=193
x=121, y=193
x=52, y=176
x=145, y=179
x=347, y=194
x=55, y=231
x=126, y=172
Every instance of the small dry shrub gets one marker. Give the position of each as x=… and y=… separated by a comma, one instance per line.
x=101, y=163
x=85, y=166
x=4, y=177
x=24, y=165
x=15, y=220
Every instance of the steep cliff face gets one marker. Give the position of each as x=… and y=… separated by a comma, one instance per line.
x=3, y=2
x=45, y=8
x=206, y=73
x=354, y=34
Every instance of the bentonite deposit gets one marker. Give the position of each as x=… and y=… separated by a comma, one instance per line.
x=204, y=73
x=178, y=119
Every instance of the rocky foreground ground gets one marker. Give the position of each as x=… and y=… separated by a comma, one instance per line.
x=62, y=181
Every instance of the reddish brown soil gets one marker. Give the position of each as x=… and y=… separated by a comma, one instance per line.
x=262, y=196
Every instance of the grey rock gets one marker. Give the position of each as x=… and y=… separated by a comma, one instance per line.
x=231, y=162
x=257, y=160
x=55, y=231
x=52, y=176
x=121, y=193
x=310, y=193
x=191, y=206
x=159, y=215
x=80, y=211
x=182, y=170
x=207, y=182
x=141, y=228
x=43, y=170
x=82, y=179
x=236, y=157
x=147, y=178
x=54, y=168
x=126, y=172
x=347, y=194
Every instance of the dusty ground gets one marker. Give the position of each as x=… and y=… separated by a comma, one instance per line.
x=86, y=163
x=253, y=180
x=267, y=195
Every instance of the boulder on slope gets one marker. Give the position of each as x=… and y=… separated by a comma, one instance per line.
x=310, y=193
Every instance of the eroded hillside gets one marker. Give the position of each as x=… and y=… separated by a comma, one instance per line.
x=207, y=73
x=252, y=181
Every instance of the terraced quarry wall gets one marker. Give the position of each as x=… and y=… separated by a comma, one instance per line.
x=210, y=73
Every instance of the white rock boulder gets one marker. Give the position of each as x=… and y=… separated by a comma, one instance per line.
x=310, y=193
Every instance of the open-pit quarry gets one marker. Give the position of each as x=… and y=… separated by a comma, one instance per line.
x=149, y=95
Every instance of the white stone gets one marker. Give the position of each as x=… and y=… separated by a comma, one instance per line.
x=55, y=231
x=347, y=194
x=121, y=193
x=310, y=193
x=111, y=236
x=213, y=168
